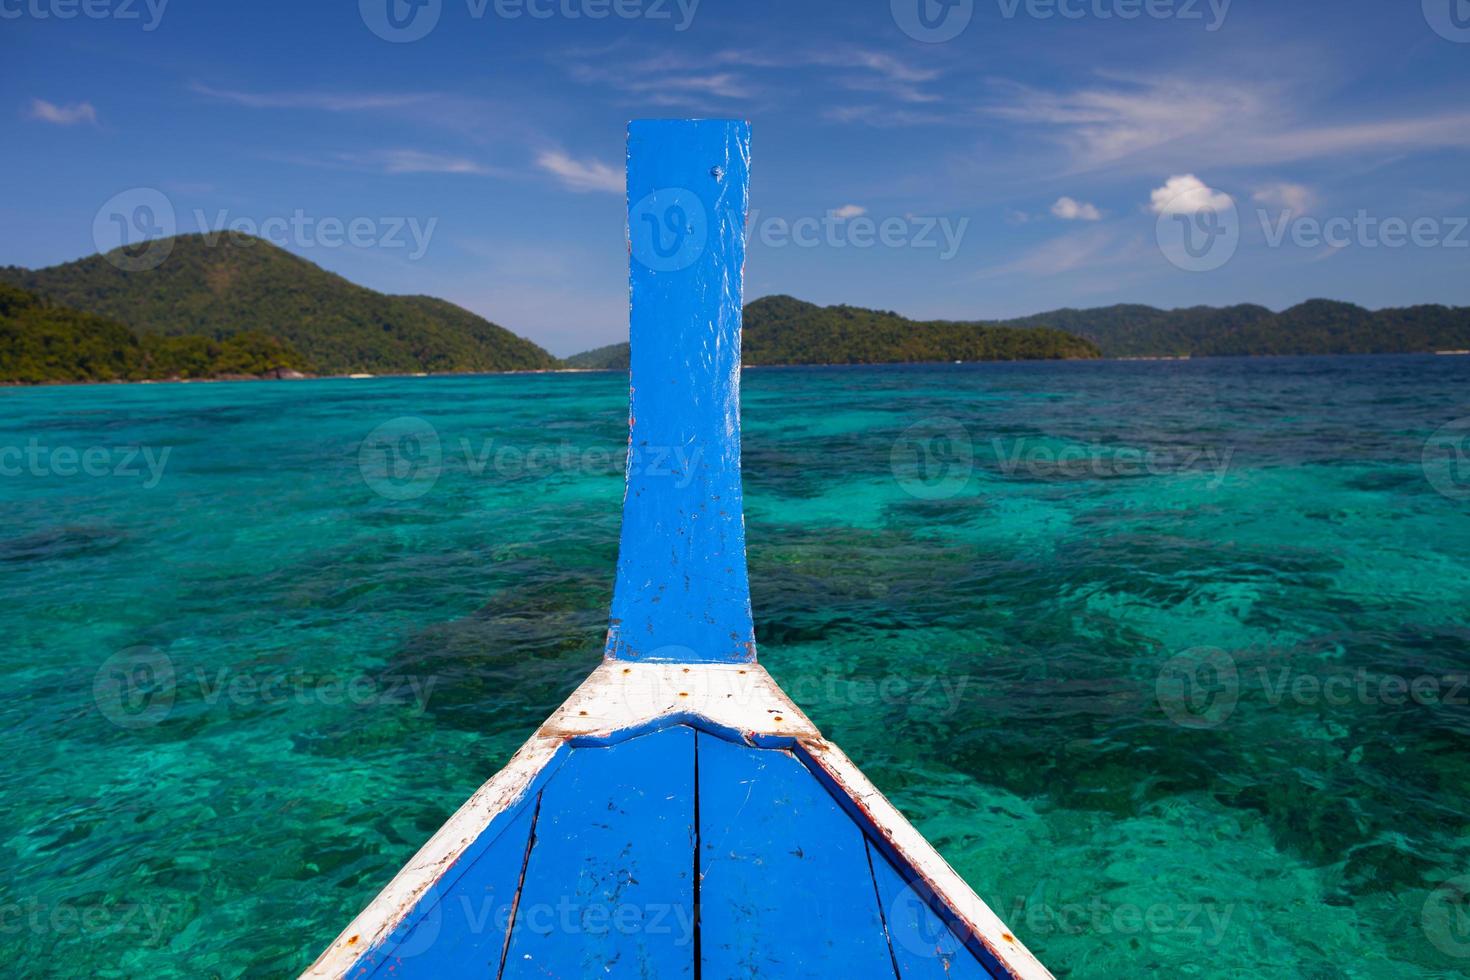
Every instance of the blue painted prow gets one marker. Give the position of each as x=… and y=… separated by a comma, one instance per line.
x=682, y=594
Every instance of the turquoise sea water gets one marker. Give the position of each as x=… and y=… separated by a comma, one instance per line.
x=1167, y=659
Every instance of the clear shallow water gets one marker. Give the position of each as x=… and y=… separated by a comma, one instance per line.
x=243, y=683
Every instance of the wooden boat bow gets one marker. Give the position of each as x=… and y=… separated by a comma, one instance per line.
x=679, y=816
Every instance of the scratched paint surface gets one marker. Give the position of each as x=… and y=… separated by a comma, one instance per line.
x=682, y=592
x=599, y=872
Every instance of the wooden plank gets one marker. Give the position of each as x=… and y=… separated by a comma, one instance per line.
x=785, y=886
x=609, y=888
x=923, y=947
x=460, y=927
x=682, y=593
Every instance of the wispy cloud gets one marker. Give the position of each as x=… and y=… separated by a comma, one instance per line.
x=581, y=175
x=848, y=211
x=1289, y=197
x=394, y=162
x=63, y=115
x=1079, y=250
x=320, y=101
x=721, y=76
x=1157, y=121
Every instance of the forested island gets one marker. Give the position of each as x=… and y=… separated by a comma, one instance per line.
x=234, y=306
x=219, y=287
x=782, y=330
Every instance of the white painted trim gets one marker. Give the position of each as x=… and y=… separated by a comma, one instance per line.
x=619, y=697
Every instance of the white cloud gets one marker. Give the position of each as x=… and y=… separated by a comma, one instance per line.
x=581, y=175
x=1295, y=198
x=1072, y=210
x=848, y=211
x=63, y=115
x=1187, y=194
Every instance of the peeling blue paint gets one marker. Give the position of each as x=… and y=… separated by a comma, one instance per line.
x=682, y=593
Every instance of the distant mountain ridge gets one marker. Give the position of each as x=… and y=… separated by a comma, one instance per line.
x=1314, y=327
x=1317, y=326
x=783, y=330
x=239, y=284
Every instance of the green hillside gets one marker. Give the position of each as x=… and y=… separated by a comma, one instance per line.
x=1314, y=327
x=613, y=357
x=783, y=330
x=240, y=284
x=41, y=341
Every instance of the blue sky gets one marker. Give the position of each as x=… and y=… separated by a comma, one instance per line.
x=1020, y=155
